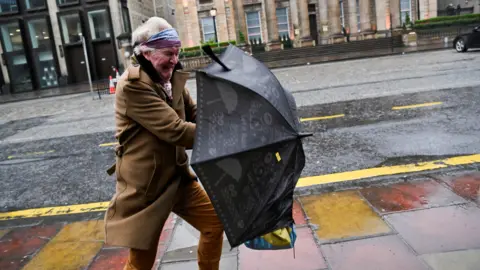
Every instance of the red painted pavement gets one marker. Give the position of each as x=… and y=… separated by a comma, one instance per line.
x=298, y=214
x=111, y=259
x=17, y=246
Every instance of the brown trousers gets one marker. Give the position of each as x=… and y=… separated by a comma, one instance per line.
x=193, y=206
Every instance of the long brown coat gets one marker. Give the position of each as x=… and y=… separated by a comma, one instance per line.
x=151, y=159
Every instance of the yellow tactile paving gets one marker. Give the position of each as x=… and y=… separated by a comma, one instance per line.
x=64, y=256
x=81, y=231
x=3, y=232
x=342, y=215
x=73, y=247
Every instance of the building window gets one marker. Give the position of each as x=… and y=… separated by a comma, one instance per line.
x=33, y=4
x=282, y=22
x=98, y=22
x=205, y=2
x=71, y=28
x=39, y=33
x=208, y=29
x=12, y=37
x=254, y=27
x=18, y=66
x=66, y=2
x=126, y=20
x=43, y=56
x=359, y=26
x=7, y=6
x=342, y=14
x=405, y=9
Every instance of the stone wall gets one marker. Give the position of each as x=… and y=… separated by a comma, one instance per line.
x=140, y=10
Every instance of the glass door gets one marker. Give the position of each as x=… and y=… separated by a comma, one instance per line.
x=16, y=58
x=43, y=53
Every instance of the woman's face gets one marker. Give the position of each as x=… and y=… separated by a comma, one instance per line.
x=163, y=60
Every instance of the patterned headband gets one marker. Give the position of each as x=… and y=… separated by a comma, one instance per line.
x=164, y=39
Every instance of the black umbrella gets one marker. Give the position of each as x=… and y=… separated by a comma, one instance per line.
x=248, y=152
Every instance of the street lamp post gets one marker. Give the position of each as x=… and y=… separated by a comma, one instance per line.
x=213, y=13
x=87, y=64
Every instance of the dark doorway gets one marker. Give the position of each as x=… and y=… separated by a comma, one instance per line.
x=76, y=65
x=312, y=17
x=104, y=59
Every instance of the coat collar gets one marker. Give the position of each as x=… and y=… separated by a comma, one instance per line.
x=179, y=80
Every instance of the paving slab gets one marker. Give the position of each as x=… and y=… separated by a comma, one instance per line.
x=466, y=185
x=19, y=245
x=226, y=263
x=458, y=260
x=190, y=253
x=111, y=259
x=298, y=214
x=184, y=236
x=410, y=196
x=378, y=253
x=342, y=215
x=64, y=255
x=306, y=256
x=439, y=229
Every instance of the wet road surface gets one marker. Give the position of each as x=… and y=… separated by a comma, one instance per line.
x=363, y=133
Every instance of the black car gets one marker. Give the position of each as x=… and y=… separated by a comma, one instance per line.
x=467, y=41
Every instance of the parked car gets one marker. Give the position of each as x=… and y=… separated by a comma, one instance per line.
x=467, y=41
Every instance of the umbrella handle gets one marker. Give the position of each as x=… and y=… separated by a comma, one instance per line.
x=208, y=50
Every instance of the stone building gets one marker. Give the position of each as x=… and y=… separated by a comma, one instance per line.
x=306, y=22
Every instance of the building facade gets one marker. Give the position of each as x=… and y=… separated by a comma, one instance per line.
x=41, y=40
x=306, y=22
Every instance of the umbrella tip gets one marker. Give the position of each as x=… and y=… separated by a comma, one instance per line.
x=208, y=50
x=304, y=135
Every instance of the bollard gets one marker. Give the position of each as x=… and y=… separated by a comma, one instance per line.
x=445, y=40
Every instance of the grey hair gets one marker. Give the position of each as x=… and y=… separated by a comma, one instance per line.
x=145, y=31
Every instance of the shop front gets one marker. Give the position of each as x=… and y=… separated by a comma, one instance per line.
x=28, y=46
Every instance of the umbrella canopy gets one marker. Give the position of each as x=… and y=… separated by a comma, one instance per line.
x=248, y=152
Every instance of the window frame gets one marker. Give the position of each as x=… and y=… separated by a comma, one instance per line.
x=203, y=28
x=129, y=23
x=77, y=2
x=21, y=27
x=358, y=15
x=259, y=25
x=49, y=28
x=404, y=10
x=109, y=23
x=289, y=32
x=12, y=12
x=44, y=7
x=82, y=26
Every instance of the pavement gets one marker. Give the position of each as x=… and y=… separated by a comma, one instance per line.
x=396, y=133
x=428, y=222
